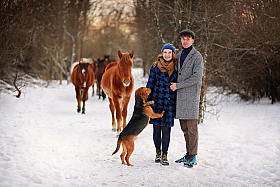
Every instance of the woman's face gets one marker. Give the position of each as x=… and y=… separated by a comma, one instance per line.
x=167, y=54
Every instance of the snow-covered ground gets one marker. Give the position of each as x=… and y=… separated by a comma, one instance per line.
x=45, y=142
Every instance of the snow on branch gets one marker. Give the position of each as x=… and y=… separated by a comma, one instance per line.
x=159, y=31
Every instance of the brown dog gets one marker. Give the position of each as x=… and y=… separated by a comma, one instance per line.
x=139, y=120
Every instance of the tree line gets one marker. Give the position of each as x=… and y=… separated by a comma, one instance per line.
x=239, y=40
x=37, y=36
x=43, y=38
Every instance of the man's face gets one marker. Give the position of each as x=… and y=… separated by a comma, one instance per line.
x=186, y=41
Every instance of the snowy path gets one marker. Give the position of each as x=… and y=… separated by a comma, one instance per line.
x=45, y=142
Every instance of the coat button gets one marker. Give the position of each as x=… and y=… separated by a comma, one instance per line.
x=179, y=73
x=169, y=99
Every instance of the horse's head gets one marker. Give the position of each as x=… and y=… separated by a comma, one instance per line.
x=106, y=60
x=125, y=63
x=100, y=62
x=100, y=66
x=82, y=72
x=94, y=64
x=106, y=57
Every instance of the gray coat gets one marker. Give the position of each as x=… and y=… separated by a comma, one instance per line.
x=188, y=85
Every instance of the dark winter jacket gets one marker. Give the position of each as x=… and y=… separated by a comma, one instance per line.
x=164, y=98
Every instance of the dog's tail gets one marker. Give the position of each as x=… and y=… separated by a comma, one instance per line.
x=117, y=148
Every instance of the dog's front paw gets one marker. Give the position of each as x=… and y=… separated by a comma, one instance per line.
x=149, y=103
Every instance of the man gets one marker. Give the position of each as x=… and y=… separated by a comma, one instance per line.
x=188, y=86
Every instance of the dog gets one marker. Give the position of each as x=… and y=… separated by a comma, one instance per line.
x=139, y=120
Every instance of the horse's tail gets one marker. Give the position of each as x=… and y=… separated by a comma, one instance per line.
x=118, y=147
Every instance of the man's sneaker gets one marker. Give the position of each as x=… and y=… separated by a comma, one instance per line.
x=191, y=161
x=183, y=159
x=158, y=156
x=164, y=160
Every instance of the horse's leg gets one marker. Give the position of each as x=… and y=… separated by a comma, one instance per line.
x=116, y=101
x=112, y=109
x=98, y=88
x=124, y=111
x=84, y=98
x=103, y=94
x=92, y=90
x=101, y=90
x=78, y=97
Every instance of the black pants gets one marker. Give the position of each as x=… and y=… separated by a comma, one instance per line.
x=161, y=137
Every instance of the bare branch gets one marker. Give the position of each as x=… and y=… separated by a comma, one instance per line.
x=159, y=30
x=55, y=60
x=14, y=83
x=237, y=49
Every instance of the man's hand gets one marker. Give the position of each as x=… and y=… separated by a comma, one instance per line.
x=173, y=86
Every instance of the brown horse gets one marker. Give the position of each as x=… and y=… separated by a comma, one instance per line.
x=94, y=66
x=117, y=82
x=82, y=77
x=101, y=65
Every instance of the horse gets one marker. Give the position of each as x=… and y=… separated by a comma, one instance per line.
x=117, y=83
x=101, y=65
x=94, y=66
x=82, y=77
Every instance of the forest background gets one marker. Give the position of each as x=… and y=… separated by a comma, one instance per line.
x=239, y=40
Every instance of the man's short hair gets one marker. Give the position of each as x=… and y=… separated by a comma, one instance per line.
x=187, y=32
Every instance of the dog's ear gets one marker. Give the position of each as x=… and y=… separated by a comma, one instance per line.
x=137, y=93
x=140, y=92
x=139, y=100
x=145, y=94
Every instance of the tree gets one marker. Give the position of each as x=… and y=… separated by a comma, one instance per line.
x=33, y=38
x=247, y=52
x=111, y=30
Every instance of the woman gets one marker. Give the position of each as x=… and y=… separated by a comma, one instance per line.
x=162, y=73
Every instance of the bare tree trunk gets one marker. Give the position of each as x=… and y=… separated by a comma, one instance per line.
x=14, y=83
x=73, y=45
x=202, y=103
x=85, y=6
x=61, y=77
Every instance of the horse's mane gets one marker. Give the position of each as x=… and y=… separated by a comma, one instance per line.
x=74, y=64
x=125, y=57
x=110, y=65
